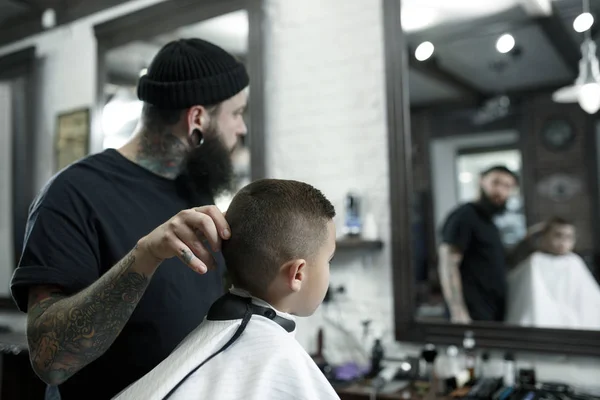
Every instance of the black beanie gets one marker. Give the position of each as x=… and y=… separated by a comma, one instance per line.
x=190, y=72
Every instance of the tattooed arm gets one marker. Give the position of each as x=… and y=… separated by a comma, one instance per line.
x=67, y=333
x=449, y=263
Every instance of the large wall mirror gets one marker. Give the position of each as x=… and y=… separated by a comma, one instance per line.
x=494, y=158
x=127, y=45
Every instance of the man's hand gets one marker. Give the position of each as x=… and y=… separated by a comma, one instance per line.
x=461, y=317
x=182, y=237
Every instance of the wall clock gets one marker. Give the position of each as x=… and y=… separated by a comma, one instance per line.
x=558, y=134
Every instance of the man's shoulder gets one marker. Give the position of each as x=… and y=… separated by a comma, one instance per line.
x=462, y=212
x=465, y=209
x=72, y=181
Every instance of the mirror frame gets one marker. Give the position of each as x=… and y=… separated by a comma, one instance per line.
x=407, y=328
x=21, y=64
x=167, y=16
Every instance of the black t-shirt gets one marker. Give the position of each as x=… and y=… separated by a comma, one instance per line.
x=471, y=230
x=86, y=219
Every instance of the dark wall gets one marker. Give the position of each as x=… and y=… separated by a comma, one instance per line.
x=529, y=118
x=577, y=161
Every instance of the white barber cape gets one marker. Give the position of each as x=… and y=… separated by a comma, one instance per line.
x=265, y=362
x=553, y=292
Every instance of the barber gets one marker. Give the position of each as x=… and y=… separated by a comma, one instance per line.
x=113, y=273
x=472, y=258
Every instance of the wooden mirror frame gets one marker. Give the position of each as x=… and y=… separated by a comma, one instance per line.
x=407, y=328
x=21, y=64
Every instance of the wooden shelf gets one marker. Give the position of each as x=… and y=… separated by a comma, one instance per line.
x=351, y=243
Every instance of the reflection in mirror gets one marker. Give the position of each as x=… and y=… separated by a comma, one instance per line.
x=125, y=64
x=505, y=202
x=6, y=228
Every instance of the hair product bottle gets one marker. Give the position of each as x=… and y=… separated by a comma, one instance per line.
x=470, y=355
x=353, y=224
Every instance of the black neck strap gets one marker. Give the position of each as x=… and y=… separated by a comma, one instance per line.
x=231, y=306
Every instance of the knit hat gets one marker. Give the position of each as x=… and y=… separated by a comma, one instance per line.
x=190, y=72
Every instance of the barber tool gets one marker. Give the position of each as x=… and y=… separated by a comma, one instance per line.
x=485, y=388
x=503, y=393
x=230, y=307
x=526, y=377
x=427, y=378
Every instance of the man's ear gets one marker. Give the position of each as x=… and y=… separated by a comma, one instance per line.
x=197, y=118
x=295, y=273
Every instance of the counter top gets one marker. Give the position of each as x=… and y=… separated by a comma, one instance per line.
x=358, y=392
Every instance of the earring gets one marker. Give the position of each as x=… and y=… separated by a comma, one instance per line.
x=200, y=137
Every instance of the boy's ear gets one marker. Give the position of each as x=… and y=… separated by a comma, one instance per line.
x=295, y=273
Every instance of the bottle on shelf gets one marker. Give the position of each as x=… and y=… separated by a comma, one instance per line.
x=510, y=372
x=470, y=354
x=485, y=367
x=353, y=224
x=377, y=355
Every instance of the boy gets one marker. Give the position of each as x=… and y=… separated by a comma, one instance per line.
x=552, y=287
x=555, y=236
x=283, y=238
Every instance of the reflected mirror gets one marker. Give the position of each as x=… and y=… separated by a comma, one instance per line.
x=504, y=102
x=126, y=63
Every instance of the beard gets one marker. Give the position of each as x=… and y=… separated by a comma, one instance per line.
x=208, y=168
x=489, y=205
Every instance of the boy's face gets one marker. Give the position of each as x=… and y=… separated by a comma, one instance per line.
x=560, y=239
x=316, y=284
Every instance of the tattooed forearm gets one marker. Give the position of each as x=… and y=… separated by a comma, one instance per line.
x=449, y=263
x=67, y=333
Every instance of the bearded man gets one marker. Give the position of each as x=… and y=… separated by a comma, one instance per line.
x=472, y=259
x=118, y=264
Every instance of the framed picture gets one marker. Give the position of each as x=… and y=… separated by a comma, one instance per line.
x=72, y=137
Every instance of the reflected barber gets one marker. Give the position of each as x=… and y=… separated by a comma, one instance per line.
x=110, y=287
x=472, y=258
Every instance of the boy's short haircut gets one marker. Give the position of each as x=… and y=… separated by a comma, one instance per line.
x=273, y=221
x=556, y=221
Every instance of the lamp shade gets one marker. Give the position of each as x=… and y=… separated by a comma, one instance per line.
x=589, y=97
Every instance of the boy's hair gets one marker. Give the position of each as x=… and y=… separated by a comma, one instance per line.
x=554, y=222
x=273, y=221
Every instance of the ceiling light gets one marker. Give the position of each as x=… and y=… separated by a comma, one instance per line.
x=418, y=18
x=589, y=97
x=424, y=51
x=505, y=43
x=586, y=89
x=583, y=22
x=49, y=18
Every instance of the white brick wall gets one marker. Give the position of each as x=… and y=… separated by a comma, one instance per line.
x=325, y=99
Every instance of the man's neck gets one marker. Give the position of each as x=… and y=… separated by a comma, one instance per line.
x=161, y=153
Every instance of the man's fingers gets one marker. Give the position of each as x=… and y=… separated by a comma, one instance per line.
x=188, y=258
x=218, y=219
x=184, y=233
x=204, y=227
